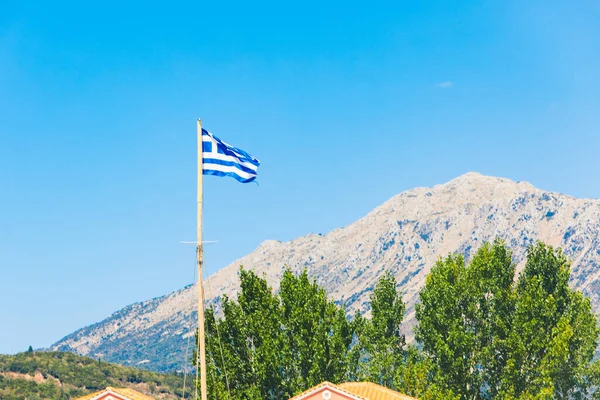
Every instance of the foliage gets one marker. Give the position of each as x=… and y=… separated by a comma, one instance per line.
x=592, y=378
x=491, y=338
x=554, y=332
x=416, y=377
x=482, y=334
x=66, y=375
x=271, y=346
x=380, y=348
x=380, y=355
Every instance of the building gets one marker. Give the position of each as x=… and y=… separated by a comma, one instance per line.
x=350, y=391
x=116, y=394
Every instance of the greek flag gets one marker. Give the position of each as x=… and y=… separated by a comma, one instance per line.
x=222, y=159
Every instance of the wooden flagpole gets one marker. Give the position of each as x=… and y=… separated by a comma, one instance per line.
x=200, y=254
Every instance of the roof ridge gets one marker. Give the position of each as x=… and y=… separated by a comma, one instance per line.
x=122, y=392
x=379, y=388
x=332, y=386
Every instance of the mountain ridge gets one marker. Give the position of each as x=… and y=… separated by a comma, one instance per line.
x=406, y=234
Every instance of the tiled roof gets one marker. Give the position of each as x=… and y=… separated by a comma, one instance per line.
x=372, y=391
x=129, y=394
x=322, y=385
x=358, y=390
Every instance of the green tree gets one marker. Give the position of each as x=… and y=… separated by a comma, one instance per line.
x=592, y=378
x=243, y=346
x=445, y=326
x=491, y=338
x=380, y=348
x=317, y=335
x=380, y=354
x=554, y=332
x=491, y=305
x=271, y=346
x=416, y=377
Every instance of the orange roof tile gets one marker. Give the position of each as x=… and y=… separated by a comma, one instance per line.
x=127, y=393
x=322, y=385
x=358, y=390
x=372, y=391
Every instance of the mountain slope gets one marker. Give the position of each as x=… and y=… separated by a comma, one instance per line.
x=406, y=235
x=64, y=376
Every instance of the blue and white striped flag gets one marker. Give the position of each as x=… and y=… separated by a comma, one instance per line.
x=222, y=159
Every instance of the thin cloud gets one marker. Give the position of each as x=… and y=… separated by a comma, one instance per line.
x=444, y=85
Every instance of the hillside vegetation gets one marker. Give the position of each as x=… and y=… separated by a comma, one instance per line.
x=55, y=375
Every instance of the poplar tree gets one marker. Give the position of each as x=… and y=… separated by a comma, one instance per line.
x=381, y=355
x=380, y=348
x=490, y=337
x=272, y=346
x=481, y=334
x=554, y=331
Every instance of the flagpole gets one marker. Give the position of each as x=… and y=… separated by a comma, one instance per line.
x=199, y=250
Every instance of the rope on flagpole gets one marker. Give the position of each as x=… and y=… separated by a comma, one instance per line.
x=212, y=306
x=198, y=282
x=190, y=327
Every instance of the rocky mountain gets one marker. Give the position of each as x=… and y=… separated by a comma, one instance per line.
x=405, y=235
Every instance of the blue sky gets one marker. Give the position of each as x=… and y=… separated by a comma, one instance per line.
x=346, y=104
